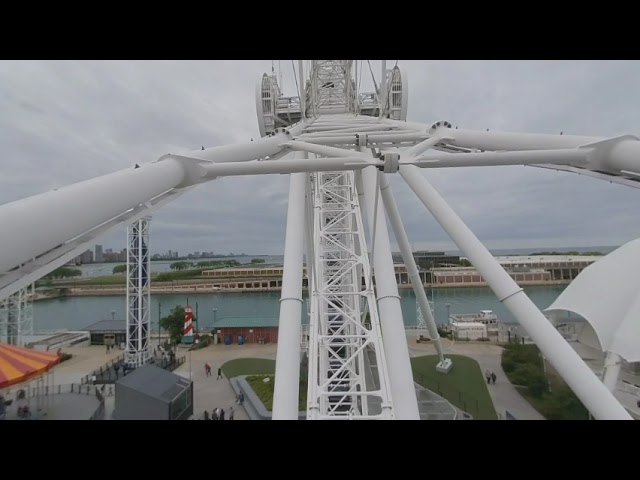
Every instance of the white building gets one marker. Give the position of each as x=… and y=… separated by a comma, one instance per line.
x=469, y=330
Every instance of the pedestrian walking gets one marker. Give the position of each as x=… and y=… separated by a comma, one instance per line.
x=219, y=373
x=207, y=369
x=487, y=375
x=221, y=414
x=493, y=377
x=230, y=413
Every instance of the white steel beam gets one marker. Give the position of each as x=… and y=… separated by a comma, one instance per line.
x=50, y=219
x=326, y=151
x=393, y=331
x=287, y=378
x=574, y=156
x=512, y=141
x=351, y=139
x=44, y=264
x=585, y=384
x=301, y=89
x=286, y=166
x=383, y=89
x=410, y=262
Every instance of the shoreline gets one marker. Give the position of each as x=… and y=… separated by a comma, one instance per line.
x=199, y=288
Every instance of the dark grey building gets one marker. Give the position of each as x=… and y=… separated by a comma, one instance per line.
x=99, y=257
x=151, y=393
x=108, y=332
x=427, y=260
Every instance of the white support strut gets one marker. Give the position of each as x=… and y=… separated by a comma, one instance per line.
x=410, y=263
x=393, y=332
x=286, y=388
x=585, y=384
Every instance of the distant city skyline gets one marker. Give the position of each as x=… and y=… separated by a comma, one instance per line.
x=416, y=247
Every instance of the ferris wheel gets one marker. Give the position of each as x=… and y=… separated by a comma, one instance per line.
x=339, y=145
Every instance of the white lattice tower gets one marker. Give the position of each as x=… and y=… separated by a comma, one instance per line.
x=16, y=316
x=342, y=349
x=332, y=88
x=138, y=347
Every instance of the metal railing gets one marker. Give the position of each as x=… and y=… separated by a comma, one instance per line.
x=37, y=393
x=108, y=374
x=104, y=371
x=463, y=400
x=629, y=388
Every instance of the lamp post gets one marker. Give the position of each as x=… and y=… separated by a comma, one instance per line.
x=159, y=316
x=113, y=314
x=215, y=314
x=448, y=305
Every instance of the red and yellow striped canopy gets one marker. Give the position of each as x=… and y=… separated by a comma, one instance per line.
x=18, y=364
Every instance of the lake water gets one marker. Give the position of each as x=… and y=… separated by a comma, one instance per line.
x=75, y=313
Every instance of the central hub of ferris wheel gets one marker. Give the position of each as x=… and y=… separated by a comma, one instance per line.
x=332, y=88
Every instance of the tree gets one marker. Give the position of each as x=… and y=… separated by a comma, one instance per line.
x=257, y=260
x=64, y=272
x=174, y=323
x=564, y=405
x=119, y=269
x=180, y=265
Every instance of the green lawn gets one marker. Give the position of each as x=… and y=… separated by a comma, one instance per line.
x=464, y=386
x=264, y=391
x=258, y=368
x=249, y=366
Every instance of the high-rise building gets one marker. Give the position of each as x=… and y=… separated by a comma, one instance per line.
x=85, y=257
x=99, y=258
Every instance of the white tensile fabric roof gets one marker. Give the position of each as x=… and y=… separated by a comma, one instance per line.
x=607, y=295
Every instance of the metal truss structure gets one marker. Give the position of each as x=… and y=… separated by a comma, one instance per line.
x=138, y=344
x=348, y=375
x=340, y=146
x=16, y=316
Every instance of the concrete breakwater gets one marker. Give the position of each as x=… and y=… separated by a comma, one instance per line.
x=197, y=286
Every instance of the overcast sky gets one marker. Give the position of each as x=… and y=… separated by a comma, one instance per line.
x=66, y=121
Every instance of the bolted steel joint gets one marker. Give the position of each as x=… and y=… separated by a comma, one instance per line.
x=362, y=140
x=391, y=162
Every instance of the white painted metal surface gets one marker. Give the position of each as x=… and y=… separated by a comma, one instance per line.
x=593, y=394
x=138, y=345
x=286, y=391
x=16, y=317
x=410, y=262
x=344, y=351
x=391, y=320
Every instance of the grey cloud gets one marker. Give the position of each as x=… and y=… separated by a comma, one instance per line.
x=64, y=121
